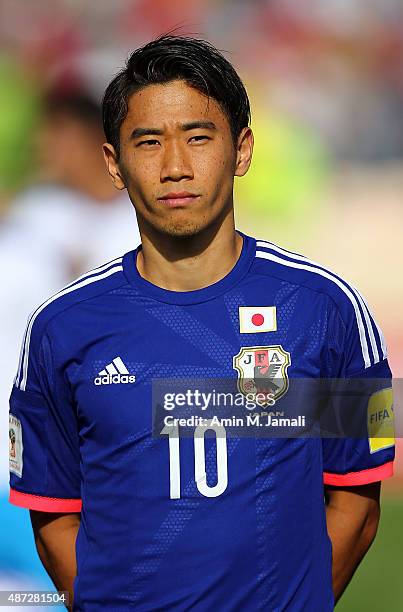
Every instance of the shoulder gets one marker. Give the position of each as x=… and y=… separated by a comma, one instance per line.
x=346, y=301
x=92, y=284
x=299, y=270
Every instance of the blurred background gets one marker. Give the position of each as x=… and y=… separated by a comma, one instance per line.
x=325, y=79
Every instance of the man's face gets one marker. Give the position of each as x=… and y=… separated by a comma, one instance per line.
x=175, y=140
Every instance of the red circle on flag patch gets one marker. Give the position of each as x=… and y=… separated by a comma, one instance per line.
x=258, y=319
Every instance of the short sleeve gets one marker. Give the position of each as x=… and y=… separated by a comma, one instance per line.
x=44, y=456
x=357, y=350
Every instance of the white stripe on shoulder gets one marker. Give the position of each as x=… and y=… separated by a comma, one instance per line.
x=271, y=245
x=378, y=329
x=95, y=271
x=308, y=268
x=364, y=305
x=68, y=289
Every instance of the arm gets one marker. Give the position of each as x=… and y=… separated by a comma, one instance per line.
x=352, y=516
x=55, y=538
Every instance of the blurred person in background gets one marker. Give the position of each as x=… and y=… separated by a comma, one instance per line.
x=65, y=223
x=50, y=233
x=74, y=193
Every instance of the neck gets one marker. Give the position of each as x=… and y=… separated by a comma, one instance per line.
x=191, y=262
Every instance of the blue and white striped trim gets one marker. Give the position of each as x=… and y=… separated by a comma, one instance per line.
x=95, y=271
x=92, y=276
x=351, y=292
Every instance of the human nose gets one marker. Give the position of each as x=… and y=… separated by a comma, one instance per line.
x=176, y=164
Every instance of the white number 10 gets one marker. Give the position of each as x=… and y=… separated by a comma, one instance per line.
x=200, y=461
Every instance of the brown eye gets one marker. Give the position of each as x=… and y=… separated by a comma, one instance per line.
x=202, y=137
x=147, y=142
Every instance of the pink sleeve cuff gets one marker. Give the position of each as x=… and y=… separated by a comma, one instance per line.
x=45, y=504
x=359, y=478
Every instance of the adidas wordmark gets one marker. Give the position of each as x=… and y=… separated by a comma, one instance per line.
x=115, y=373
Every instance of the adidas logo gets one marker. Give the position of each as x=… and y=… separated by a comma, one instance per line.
x=115, y=373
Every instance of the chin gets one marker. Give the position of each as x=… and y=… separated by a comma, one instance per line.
x=182, y=230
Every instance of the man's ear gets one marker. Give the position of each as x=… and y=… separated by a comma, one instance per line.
x=113, y=166
x=244, y=151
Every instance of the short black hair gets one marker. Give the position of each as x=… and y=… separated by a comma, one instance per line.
x=169, y=58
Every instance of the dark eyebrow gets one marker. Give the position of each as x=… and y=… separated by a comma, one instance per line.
x=185, y=127
x=137, y=132
x=204, y=125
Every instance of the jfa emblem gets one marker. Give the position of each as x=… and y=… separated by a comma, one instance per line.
x=262, y=369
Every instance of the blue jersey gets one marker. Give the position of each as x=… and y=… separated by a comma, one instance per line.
x=207, y=524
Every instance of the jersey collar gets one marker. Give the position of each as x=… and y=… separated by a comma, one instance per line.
x=240, y=269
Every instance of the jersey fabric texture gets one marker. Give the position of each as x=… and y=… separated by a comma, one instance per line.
x=82, y=399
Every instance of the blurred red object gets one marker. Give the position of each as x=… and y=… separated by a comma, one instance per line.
x=152, y=17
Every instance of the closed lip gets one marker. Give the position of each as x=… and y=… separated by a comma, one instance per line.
x=178, y=195
x=178, y=199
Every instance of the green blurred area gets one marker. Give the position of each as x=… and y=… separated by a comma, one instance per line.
x=288, y=169
x=378, y=583
x=19, y=113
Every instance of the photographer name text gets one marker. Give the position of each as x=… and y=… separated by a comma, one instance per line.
x=250, y=420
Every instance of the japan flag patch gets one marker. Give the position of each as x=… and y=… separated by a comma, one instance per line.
x=15, y=445
x=255, y=319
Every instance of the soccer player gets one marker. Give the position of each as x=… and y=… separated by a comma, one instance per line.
x=221, y=523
